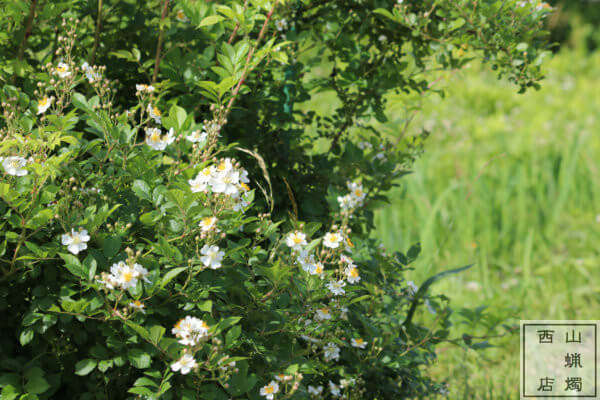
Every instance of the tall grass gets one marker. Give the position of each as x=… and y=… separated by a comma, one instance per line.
x=510, y=183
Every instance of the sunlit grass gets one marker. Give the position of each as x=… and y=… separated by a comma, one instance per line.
x=510, y=183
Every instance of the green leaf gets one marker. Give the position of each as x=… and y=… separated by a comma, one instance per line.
x=84, y=367
x=74, y=265
x=142, y=190
x=26, y=336
x=111, y=246
x=139, y=358
x=170, y=275
x=36, y=383
x=211, y=20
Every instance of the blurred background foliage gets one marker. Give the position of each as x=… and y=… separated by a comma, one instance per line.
x=510, y=183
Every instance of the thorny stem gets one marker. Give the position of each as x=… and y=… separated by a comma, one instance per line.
x=160, y=41
x=97, y=34
x=28, y=26
x=237, y=25
x=247, y=68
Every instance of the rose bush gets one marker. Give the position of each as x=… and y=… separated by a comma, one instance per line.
x=193, y=219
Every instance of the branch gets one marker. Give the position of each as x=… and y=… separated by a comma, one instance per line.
x=28, y=27
x=160, y=41
x=97, y=34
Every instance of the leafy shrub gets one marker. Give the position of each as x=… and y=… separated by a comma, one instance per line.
x=206, y=234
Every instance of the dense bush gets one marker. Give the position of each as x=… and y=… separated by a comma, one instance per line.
x=186, y=222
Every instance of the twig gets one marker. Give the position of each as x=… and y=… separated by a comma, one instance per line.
x=160, y=42
x=28, y=26
x=97, y=34
x=248, y=59
x=237, y=26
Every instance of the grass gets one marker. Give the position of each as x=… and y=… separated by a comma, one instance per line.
x=510, y=183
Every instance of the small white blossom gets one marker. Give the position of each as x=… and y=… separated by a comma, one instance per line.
x=332, y=240
x=317, y=269
x=197, y=136
x=137, y=305
x=315, y=390
x=352, y=275
x=270, y=390
x=75, y=241
x=334, y=389
x=331, y=352
x=91, y=75
x=185, y=364
x=336, y=287
x=190, y=331
x=154, y=113
x=208, y=223
x=323, y=314
x=296, y=240
x=281, y=24
x=157, y=141
x=44, y=104
x=14, y=165
x=62, y=70
x=283, y=377
x=212, y=256
x=359, y=343
x=143, y=88
x=181, y=17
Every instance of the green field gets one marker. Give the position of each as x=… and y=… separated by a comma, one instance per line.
x=511, y=184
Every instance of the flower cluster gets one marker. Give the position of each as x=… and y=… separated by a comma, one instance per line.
x=124, y=275
x=190, y=331
x=353, y=199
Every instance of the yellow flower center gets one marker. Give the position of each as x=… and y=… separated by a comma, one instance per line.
x=297, y=239
x=333, y=238
x=76, y=240
x=156, y=111
x=359, y=341
x=44, y=101
x=222, y=166
x=155, y=137
x=207, y=221
x=358, y=193
x=319, y=269
x=270, y=389
x=324, y=311
x=244, y=186
x=180, y=14
x=137, y=303
x=61, y=69
x=127, y=276
x=354, y=273
x=206, y=172
x=349, y=242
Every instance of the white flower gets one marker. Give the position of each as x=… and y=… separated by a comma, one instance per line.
x=208, y=223
x=345, y=259
x=141, y=88
x=357, y=192
x=14, y=165
x=331, y=352
x=281, y=24
x=296, y=240
x=201, y=181
x=226, y=182
x=336, y=287
x=382, y=38
x=334, y=389
x=315, y=390
x=137, y=305
x=62, y=70
x=283, y=377
x=323, y=314
x=212, y=256
x=91, y=75
x=306, y=260
x=197, y=136
x=269, y=390
x=181, y=17
x=345, y=202
x=360, y=343
x=154, y=113
x=190, y=331
x=75, y=241
x=124, y=275
x=184, y=364
x=317, y=269
x=332, y=240
x=352, y=274
x=44, y=104
x=156, y=140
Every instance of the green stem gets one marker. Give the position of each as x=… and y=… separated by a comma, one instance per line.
x=97, y=34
